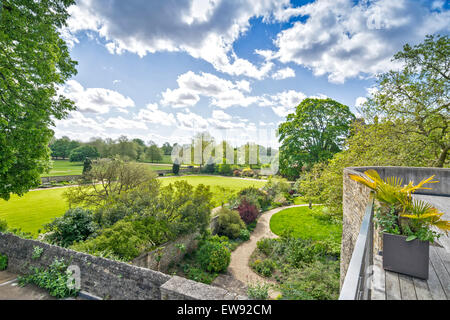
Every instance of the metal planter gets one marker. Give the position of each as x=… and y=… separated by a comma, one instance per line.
x=407, y=257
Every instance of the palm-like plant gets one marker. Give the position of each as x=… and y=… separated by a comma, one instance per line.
x=391, y=192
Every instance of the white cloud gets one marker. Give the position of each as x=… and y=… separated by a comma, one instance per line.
x=223, y=93
x=347, y=40
x=220, y=115
x=191, y=121
x=283, y=74
x=205, y=29
x=152, y=114
x=283, y=103
x=122, y=123
x=94, y=100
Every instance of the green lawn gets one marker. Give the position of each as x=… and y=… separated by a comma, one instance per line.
x=229, y=185
x=33, y=210
x=36, y=208
x=64, y=168
x=305, y=223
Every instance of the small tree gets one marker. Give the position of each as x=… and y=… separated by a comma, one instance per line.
x=87, y=165
x=153, y=153
x=108, y=178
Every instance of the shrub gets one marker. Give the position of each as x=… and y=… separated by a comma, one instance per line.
x=175, y=168
x=214, y=256
x=258, y=291
x=3, y=262
x=3, y=225
x=316, y=281
x=210, y=168
x=224, y=169
x=265, y=245
x=255, y=196
x=247, y=172
x=76, y=225
x=230, y=223
x=248, y=211
x=275, y=186
x=198, y=274
x=55, y=279
x=264, y=267
x=244, y=234
x=237, y=173
x=127, y=239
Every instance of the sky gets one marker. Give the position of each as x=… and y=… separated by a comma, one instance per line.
x=165, y=70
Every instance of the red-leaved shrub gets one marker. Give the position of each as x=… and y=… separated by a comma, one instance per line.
x=248, y=212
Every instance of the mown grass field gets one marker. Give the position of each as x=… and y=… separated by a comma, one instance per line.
x=67, y=168
x=31, y=211
x=64, y=168
x=305, y=223
x=222, y=187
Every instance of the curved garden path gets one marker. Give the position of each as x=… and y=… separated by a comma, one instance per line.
x=239, y=265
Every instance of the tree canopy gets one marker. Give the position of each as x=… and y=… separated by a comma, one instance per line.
x=417, y=95
x=34, y=60
x=315, y=132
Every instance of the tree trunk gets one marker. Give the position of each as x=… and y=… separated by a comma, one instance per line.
x=442, y=157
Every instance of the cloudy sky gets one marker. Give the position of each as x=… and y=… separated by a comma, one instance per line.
x=163, y=70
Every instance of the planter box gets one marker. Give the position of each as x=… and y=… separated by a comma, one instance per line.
x=407, y=257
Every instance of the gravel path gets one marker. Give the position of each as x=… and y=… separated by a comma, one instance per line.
x=239, y=265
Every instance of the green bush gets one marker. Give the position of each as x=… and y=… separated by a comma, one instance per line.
x=54, y=279
x=229, y=223
x=247, y=172
x=244, y=234
x=255, y=196
x=127, y=239
x=214, y=256
x=276, y=186
x=316, y=281
x=198, y=274
x=265, y=245
x=76, y=225
x=264, y=267
x=258, y=291
x=3, y=225
x=3, y=262
x=224, y=169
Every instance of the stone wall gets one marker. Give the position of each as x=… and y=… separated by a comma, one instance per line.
x=168, y=253
x=106, y=278
x=60, y=178
x=354, y=202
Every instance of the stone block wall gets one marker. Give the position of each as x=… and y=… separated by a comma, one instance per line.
x=108, y=279
x=355, y=199
x=60, y=178
x=169, y=253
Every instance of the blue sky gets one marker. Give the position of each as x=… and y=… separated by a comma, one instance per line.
x=164, y=70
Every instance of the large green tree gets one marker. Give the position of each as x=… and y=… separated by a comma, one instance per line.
x=418, y=95
x=315, y=132
x=34, y=60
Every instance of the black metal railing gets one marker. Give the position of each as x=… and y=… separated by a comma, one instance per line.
x=356, y=284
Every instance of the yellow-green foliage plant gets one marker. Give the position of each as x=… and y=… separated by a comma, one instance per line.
x=398, y=212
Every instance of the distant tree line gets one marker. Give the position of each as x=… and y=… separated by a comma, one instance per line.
x=135, y=149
